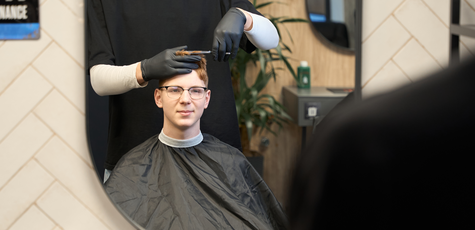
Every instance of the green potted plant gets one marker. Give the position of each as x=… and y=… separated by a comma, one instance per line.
x=257, y=111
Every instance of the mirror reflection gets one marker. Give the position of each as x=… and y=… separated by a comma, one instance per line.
x=173, y=157
x=334, y=20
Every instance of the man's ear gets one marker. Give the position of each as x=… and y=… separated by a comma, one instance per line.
x=158, y=98
x=207, y=98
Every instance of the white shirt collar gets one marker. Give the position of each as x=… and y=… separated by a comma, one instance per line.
x=177, y=143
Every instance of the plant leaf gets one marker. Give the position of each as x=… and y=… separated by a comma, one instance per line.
x=294, y=20
x=255, y=110
x=261, y=5
x=284, y=59
x=249, y=128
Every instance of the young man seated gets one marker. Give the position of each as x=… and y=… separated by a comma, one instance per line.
x=183, y=179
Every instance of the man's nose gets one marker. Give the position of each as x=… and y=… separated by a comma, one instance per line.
x=185, y=97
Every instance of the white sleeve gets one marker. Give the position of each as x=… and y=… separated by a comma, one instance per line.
x=112, y=80
x=263, y=33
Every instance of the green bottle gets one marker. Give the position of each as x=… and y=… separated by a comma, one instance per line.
x=303, y=75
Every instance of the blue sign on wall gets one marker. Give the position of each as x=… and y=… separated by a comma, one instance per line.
x=19, y=19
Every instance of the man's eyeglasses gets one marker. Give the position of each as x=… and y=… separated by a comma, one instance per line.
x=175, y=92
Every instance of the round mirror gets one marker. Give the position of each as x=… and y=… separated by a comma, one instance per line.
x=335, y=20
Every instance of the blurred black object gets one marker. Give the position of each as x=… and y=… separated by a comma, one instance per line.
x=396, y=160
x=97, y=126
x=334, y=32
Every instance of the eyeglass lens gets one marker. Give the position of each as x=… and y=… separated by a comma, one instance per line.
x=175, y=92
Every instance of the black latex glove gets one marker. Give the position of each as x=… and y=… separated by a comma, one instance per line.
x=166, y=64
x=227, y=34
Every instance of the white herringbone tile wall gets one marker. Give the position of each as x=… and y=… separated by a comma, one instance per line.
x=46, y=176
x=406, y=40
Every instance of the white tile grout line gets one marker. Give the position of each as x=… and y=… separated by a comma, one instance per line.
x=59, y=91
x=74, y=195
x=466, y=47
x=43, y=2
x=15, y=78
x=382, y=22
x=39, y=102
x=72, y=11
x=400, y=23
x=31, y=205
x=473, y=8
x=44, y=213
x=46, y=124
x=436, y=15
x=399, y=67
x=390, y=59
x=469, y=5
x=74, y=59
x=34, y=203
x=21, y=120
x=33, y=156
x=420, y=43
x=58, y=227
x=67, y=144
x=427, y=51
x=26, y=67
x=449, y=26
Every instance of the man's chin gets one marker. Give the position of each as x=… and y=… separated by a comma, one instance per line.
x=185, y=125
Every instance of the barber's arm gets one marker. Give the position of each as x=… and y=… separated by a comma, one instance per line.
x=113, y=80
x=227, y=35
x=262, y=33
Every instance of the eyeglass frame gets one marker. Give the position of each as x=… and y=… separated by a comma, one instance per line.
x=183, y=90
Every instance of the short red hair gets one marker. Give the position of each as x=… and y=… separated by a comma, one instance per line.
x=201, y=71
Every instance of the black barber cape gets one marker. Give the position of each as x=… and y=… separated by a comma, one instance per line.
x=210, y=185
x=124, y=32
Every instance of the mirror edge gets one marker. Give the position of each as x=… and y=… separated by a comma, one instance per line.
x=358, y=49
x=94, y=144
x=97, y=140
x=327, y=42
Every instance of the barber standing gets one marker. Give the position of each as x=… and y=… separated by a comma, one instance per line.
x=132, y=46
